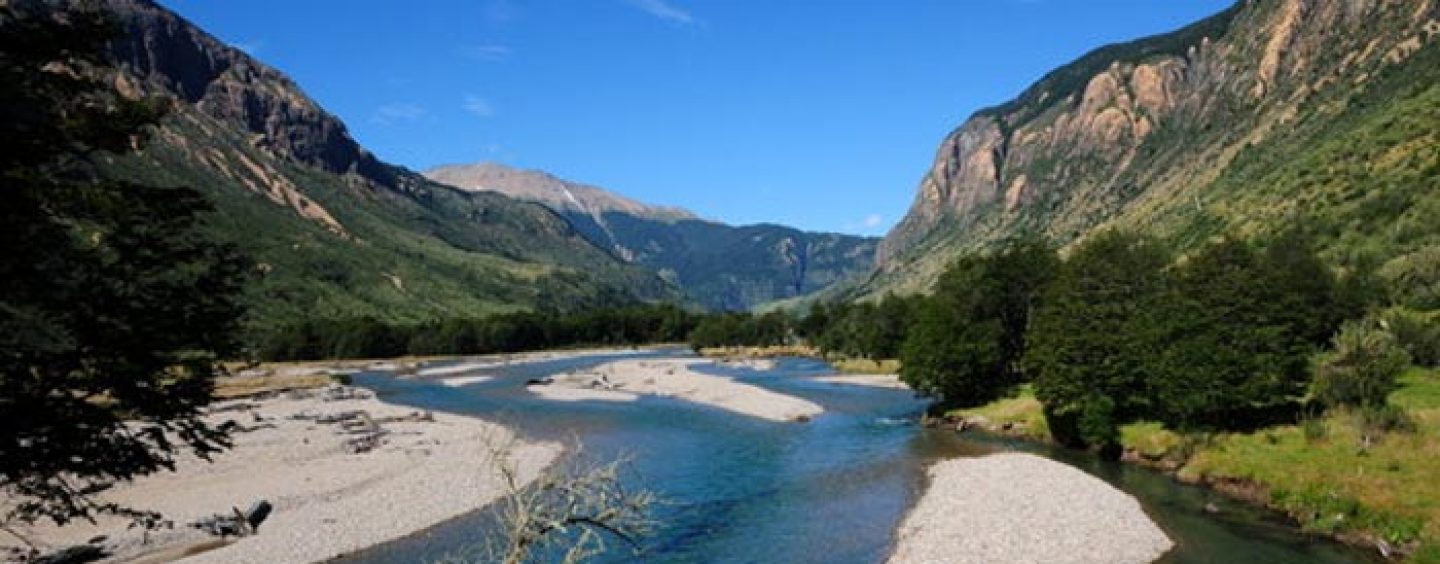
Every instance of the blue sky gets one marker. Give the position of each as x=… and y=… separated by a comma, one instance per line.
x=822, y=114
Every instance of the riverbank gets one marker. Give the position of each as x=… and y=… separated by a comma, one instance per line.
x=840, y=364
x=1331, y=474
x=625, y=380
x=342, y=469
x=1013, y=507
x=887, y=381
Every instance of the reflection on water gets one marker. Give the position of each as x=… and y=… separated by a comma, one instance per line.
x=738, y=489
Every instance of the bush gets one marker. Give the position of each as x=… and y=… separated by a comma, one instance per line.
x=1375, y=420
x=1418, y=333
x=1362, y=369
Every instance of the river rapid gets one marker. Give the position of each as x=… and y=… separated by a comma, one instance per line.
x=740, y=489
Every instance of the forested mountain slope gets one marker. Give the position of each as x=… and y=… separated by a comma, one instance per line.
x=336, y=231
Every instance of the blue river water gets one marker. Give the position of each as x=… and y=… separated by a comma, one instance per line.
x=740, y=489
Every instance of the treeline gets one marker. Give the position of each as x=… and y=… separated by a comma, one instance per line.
x=1232, y=335
x=856, y=330
x=372, y=338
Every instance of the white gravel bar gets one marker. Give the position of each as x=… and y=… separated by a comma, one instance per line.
x=676, y=377
x=1015, y=507
x=425, y=469
x=888, y=381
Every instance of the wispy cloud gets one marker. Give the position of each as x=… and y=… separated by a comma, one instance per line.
x=485, y=52
x=663, y=10
x=393, y=113
x=868, y=224
x=478, y=106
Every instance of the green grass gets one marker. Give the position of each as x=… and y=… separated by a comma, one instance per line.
x=1021, y=409
x=1334, y=483
x=866, y=366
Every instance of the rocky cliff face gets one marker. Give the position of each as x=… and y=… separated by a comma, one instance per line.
x=337, y=232
x=1137, y=134
x=715, y=265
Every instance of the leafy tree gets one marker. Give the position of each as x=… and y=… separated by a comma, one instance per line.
x=1362, y=368
x=1092, y=338
x=968, y=338
x=953, y=358
x=114, y=306
x=1418, y=333
x=1239, y=327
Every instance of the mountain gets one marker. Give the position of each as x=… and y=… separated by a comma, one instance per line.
x=718, y=266
x=336, y=231
x=1322, y=113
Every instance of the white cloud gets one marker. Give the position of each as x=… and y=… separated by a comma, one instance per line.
x=392, y=113
x=663, y=10
x=869, y=224
x=478, y=106
x=486, y=52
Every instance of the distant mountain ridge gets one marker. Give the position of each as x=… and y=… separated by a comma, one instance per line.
x=1268, y=114
x=715, y=265
x=544, y=188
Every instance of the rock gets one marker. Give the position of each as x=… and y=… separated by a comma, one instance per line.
x=73, y=555
x=801, y=418
x=1211, y=508
x=363, y=443
x=539, y=381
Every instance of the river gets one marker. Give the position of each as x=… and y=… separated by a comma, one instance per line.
x=738, y=489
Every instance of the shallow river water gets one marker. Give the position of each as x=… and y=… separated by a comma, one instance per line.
x=738, y=489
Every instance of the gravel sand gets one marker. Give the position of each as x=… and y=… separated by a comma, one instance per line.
x=425, y=469
x=1024, y=508
x=676, y=378
x=889, y=381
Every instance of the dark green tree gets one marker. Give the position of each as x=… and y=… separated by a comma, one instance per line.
x=1239, y=328
x=1093, y=337
x=1362, y=368
x=114, y=307
x=967, y=339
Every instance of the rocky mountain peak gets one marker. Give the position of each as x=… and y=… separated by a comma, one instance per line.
x=544, y=188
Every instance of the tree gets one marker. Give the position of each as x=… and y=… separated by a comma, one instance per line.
x=1238, y=329
x=1092, y=338
x=114, y=305
x=566, y=514
x=1362, y=368
x=967, y=339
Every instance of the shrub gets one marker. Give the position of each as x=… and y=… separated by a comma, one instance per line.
x=1362, y=368
x=1418, y=333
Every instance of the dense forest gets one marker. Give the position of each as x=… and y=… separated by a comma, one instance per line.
x=368, y=337
x=1234, y=335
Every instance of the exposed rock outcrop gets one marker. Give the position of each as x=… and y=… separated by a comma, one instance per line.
x=1131, y=133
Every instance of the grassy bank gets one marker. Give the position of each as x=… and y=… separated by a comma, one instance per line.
x=841, y=364
x=1324, y=472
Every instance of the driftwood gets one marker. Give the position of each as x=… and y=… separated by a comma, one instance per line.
x=238, y=523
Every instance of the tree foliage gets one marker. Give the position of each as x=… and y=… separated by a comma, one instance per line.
x=967, y=339
x=1362, y=368
x=1093, y=339
x=113, y=306
x=366, y=337
x=1237, y=329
